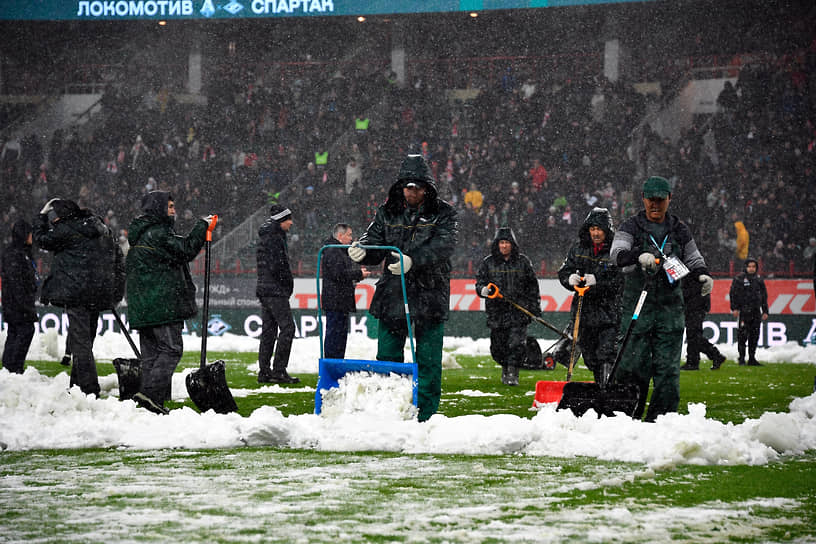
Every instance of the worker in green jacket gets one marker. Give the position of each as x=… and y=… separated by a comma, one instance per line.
x=424, y=228
x=160, y=292
x=655, y=250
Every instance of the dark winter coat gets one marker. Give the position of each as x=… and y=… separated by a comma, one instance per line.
x=88, y=267
x=515, y=278
x=339, y=276
x=665, y=300
x=160, y=289
x=601, y=305
x=748, y=294
x=274, y=274
x=19, y=276
x=428, y=236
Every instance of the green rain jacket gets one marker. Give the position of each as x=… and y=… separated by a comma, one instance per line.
x=160, y=289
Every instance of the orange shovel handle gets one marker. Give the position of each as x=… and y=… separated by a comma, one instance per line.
x=211, y=227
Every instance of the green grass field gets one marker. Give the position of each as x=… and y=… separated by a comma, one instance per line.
x=284, y=495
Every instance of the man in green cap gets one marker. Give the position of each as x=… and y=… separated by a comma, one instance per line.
x=424, y=228
x=655, y=250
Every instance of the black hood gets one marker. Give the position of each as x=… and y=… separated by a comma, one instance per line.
x=598, y=217
x=413, y=168
x=20, y=232
x=155, y=203
x=504, y=233
x=751, y=260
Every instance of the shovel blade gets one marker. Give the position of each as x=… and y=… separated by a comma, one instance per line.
x=208, y=389
x=129, y=373
x=579, y=397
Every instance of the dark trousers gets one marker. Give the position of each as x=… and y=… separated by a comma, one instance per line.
x=696, y=342
x=18, y=340
x=278, y=328
x=161, y=348
x=507, y=345
x=748, y=332
x=81, y=335
x=598, y=347
x=337, y=327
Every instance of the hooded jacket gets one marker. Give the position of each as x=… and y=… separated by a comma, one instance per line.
x=339, y=276
x=748, y=293
x=160, y=289
x=515, y=278
x=427, y=235
x=274, y=274
x=602, y=300
x=88, y=267
x=19, y=277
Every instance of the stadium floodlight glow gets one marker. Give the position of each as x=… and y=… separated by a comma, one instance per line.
x=473, y=14
x=361, y=19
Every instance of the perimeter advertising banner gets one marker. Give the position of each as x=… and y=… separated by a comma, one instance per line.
x=234, y=309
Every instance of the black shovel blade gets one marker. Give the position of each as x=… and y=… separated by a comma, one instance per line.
x=616, y=397
x=129, y=373
x=208, y=389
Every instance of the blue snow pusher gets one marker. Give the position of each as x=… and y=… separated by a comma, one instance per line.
x=331, y=370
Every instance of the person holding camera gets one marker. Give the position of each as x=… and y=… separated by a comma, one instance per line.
x=87, y=277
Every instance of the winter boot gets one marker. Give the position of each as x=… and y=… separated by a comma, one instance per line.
x=66, y=360
x=280, y=377
x=143, y=401
x=754, y=362
x=510, y=375
x=717, y=361
x=691, y=366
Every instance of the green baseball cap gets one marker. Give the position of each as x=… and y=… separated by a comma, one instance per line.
x=656, y=187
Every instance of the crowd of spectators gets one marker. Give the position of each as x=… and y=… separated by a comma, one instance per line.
x=533, y=150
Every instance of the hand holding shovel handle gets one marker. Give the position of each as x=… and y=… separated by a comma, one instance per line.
x=495, y=293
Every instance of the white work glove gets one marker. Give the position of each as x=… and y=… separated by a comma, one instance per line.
x=48, y=206
x=209, y=220
x=574, y=280
x=647, y=261
x=589, y=279
x=486, y=291
x=708, y=284
x=356, y=253
x=395, y=268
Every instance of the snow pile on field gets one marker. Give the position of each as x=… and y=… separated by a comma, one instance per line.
x=41, y=412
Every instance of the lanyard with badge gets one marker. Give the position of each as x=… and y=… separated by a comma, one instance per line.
x=674, y=267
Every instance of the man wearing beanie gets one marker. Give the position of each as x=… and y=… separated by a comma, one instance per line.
x=511, y=271
x=275, y=286
x=424, y=228
x=87, y=277
x=655, y=250
x=160, y=292
x=588, y=264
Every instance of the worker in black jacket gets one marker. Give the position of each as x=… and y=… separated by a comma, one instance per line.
x=696, y=307
x=511, y=271
x=20, y=281
x=87, y=277
x=749, y=304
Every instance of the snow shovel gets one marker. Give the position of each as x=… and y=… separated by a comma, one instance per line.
x=497, y=294
x=581, y=289
x=552, y=391
x=128, y=371
x=331, y=370
x=207, y=386
x=605, y=398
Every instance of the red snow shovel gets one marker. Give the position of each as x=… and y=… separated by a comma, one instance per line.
x=552, y=391
x=605, y=398
x=207, y=386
